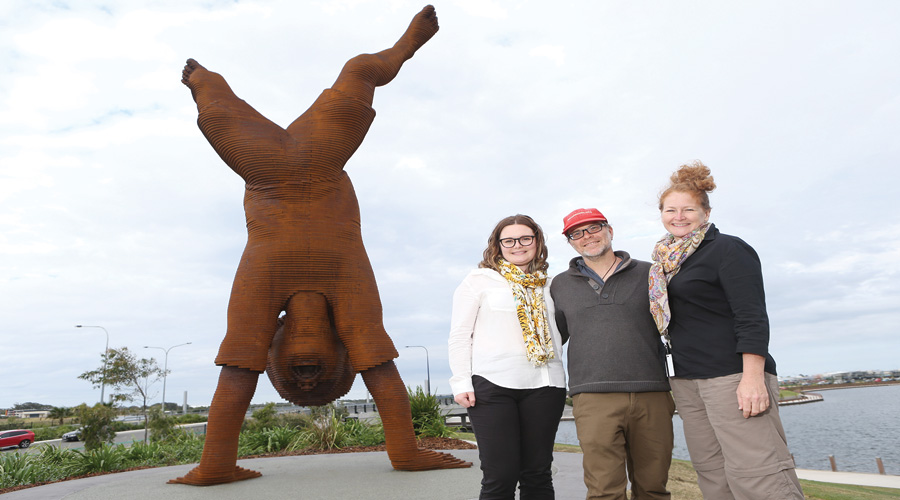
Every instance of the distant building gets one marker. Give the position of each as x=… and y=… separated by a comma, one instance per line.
x=28, y=413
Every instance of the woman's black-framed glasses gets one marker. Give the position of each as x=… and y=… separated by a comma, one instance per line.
x=593, y=228
x=525, y=241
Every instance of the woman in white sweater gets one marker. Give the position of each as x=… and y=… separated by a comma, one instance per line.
x=505, y=355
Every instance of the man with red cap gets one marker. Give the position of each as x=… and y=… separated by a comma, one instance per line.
x=622, y=405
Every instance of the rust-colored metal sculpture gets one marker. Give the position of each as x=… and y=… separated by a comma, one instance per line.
x=304, y=256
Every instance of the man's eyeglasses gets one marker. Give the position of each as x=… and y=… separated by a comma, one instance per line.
x=593, y=228
x=511, y=242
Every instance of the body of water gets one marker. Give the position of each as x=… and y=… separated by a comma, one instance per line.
x=855, y=425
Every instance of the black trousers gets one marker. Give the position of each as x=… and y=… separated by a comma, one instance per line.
x=515, y=430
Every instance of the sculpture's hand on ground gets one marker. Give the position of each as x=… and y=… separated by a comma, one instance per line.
x=198, y=477
x=429, y=460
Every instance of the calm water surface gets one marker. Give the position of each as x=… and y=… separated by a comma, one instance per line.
x=855, y=425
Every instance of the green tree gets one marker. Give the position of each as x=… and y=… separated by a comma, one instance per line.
x=96, y=424
x=127, y=376
x=29, y=405
x=60, y=412
x=160, y=426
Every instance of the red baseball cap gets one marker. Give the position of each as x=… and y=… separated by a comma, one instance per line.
x=581, y=216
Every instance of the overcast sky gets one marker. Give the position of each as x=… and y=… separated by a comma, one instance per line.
x=116, y=212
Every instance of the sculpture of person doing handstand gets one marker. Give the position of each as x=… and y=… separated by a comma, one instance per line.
x=304, y=252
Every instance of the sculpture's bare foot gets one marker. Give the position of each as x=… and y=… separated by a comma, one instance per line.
x=206, y=86
x=189, y=68
x=196, y=477
x=429, y=460
x=423, y=26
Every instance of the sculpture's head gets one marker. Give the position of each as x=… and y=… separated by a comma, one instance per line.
x=308, y=364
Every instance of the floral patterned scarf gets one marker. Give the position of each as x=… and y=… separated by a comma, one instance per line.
x=528, y=292
x=667, y=256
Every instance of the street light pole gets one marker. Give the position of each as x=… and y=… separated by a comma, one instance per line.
x=105, y=356
x=165, y=371
x=427, y=368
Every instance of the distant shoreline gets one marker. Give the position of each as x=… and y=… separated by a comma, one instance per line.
x=831, y=387
x=810, y=393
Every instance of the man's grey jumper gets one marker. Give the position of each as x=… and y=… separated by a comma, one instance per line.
x=614, y=345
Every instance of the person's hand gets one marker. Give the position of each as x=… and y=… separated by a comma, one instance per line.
x=753, y=398
x=465, y=399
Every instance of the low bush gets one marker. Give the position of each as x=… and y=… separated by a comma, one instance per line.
x=263, y=418
x=294, y=420
x=152, y=453
x=52, y=455
x=189, y=418
x=363, y=433
x=18, y=468
x=427, y=419
x=102, y=459
x=254, y=442
x=120, y=426
x=325, y=433
x=184, y=446
x=48, y=433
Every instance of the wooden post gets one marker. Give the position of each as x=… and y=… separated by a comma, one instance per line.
x=833, y=464
x=880, y=465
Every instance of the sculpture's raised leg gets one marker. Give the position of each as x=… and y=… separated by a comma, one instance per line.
x=233, y=128
x=363, y=73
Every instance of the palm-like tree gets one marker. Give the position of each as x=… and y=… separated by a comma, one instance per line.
x=60, y=412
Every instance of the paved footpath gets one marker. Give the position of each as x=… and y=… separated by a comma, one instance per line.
x=343, y=476
x=859, y=478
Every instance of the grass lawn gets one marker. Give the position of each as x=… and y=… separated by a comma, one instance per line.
x=785, y=394
x=683, y=482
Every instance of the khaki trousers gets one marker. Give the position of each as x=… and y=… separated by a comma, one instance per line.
x=735, y=457
x=625, y=431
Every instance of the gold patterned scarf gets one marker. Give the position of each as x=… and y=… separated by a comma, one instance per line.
x=528, y=292
x=667, y=256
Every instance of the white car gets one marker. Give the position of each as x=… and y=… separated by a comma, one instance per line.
x=72, y=436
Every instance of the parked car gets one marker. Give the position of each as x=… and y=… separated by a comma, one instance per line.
x=18, y=437
x=72, y=435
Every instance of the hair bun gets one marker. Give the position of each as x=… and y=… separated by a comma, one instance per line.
x=694, y=175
